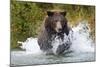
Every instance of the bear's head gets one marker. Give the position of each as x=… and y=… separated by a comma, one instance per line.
x=56, y=22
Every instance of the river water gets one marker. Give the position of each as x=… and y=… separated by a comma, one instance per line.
x=82, y=50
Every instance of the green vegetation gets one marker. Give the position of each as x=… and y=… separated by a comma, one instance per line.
x=27, y=18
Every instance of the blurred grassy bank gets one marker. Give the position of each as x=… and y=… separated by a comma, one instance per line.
x=27, y=18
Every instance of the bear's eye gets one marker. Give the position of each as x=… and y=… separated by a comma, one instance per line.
x=62, y=21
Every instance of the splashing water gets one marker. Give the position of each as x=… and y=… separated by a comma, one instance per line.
x=30, y=45
x=81, y=39
x=81, y=42
x=82, y=47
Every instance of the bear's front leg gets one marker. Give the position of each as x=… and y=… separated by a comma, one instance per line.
x=62, y=48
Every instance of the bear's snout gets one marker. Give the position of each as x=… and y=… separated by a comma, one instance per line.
x=58, y=27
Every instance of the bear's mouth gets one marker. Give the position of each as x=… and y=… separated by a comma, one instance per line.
x=59, y=30
x=58, y=27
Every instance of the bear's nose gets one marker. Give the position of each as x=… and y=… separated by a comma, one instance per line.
x=60, y=29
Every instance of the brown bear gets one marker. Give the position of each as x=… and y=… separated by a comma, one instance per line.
x=55, y=26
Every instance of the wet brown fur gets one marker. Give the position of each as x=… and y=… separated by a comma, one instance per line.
x=45, y=37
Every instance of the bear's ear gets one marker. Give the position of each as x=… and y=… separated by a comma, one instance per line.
x=63, y=13
x=49, y=13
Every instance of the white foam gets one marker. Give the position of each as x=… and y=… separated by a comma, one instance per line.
x=30, y=45
x=81, y=40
